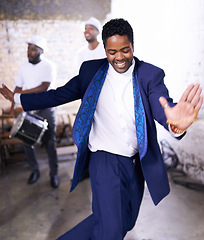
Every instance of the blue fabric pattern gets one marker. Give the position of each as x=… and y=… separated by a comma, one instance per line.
x=84, y=121
x=140, y=118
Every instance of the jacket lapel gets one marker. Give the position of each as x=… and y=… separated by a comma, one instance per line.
x=83, y=121
x=85, y=114
x=140, y=118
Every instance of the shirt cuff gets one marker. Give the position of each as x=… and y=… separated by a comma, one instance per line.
x=174, y=134
x=17, y=99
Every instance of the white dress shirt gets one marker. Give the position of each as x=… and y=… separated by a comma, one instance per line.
x=113, y=129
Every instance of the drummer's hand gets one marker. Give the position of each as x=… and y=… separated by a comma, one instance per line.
x=7, y=93
x=185, y=112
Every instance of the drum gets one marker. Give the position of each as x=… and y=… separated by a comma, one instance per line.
x=29, y=128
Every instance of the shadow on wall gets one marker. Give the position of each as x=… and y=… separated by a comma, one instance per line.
x=183, y=168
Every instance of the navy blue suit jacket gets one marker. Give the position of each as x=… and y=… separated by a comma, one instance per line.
x=151, y=87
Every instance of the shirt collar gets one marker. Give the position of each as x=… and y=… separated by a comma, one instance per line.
x=127, y=74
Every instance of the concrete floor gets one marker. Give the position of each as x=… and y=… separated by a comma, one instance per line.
x=39, y=212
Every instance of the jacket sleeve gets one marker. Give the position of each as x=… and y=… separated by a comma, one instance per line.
x=71, y=91
x=155, y=89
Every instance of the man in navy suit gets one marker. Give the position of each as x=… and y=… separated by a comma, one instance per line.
x=115, y=131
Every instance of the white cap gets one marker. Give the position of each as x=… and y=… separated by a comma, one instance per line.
x=39, y=42
x=94, y=22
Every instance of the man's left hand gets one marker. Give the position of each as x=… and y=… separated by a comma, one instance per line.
x=185, y=112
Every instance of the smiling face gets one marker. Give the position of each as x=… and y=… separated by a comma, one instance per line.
x=90, y=33
x=119, y=52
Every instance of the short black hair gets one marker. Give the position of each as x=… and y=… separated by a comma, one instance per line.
x=117, y=26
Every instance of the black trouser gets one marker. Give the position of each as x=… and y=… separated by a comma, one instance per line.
x=49, y=140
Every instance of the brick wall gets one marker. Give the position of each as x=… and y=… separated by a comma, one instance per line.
x=60, y=22
x=169, y=34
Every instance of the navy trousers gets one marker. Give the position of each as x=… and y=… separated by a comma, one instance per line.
x=117, y=186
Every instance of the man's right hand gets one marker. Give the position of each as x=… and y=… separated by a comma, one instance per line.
x=7, y=93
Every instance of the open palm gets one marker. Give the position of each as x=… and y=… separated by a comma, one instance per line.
x=185, y=112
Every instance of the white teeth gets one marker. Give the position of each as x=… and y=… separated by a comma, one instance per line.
x=120, y=64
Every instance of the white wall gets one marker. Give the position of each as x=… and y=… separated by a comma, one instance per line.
x=170, y=34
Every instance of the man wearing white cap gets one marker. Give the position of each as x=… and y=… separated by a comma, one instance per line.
x=94, y=49
x=38, y=75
